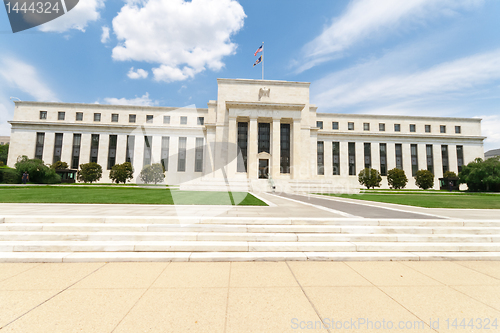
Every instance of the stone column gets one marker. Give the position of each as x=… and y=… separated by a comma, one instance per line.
x=407, y=163
x=328, y=160
x=296, y=164
x=253, y=138
x=121, y=148
x=422, y=157
x=85, y=148
x=344, y=159
x=102, y=154
x=275, y=148
x=391, y=155
x=156, y=149
x=360, y=156
x=452, y=158
x=67, y=148
x=438, y=164
x=232, y=147
x=375, y=150
x=48, y=147
x=138, y=155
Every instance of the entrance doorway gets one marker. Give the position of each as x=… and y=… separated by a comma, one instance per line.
x=263, y=169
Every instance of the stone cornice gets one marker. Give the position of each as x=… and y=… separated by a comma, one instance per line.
x=402, y=136
x=264, y=105
x=264, y=82
x=391, y=117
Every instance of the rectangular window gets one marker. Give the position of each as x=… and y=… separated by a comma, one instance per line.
x=381, y=127
x=368, y=155
x=460, y=157
x=94, y=148
x=366, y=126
x=113, y=139
x=414, y=160
x=399, y=156
x=198, y=160
x=427, y=128
x=165, y=147
x=75, y=157
x=264, y=137
x=184, y=120
x=285, y=148
x=57, y=148
x=413, y=128
x=444, y=156
x=147, y=150
x=430, y=158
x=201, y=121
x=181, y=161
x=350, y=126
x=321, y=158
x=114, y=118
x=458, y=129
x=352, y=158
x=61, y=115
x=79, y=116
x=319, y=124
x=132, y=118
x=383, y=159
x=130, y=149
x=166, y=119
x=442, y=129
x=97, y=117
x=242, y=146
x=336, y=158
x=149, y=119
x=40, y=138
x=43, y=114
x=335, y=125
x=397, y=127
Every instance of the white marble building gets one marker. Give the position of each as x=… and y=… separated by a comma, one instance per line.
x=255, y=128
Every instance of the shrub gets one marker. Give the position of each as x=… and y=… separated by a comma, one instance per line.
x=9, y=176
x=152, y=174
x=482, y=175
x=89, y=172
x=369, y=178
x=38, y=172
x=424, y=179
x=396, y=178
x=449, y=174
x=4, y=153
x=59, y=165
x=120, y=173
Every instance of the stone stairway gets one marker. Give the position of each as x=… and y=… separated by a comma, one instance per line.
x=81, y=239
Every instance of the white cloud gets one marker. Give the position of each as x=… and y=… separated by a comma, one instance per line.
x=144, y=100
x=183, y=37
x=22, y=76
x=490, y=128
x=138, y=74
x=78, y=18
x=347, y=88
x=105, y=35
x=365, y=19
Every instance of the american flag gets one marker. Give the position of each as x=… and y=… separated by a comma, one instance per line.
x=258, y=50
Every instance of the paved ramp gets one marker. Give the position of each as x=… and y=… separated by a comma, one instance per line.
x=359, y=210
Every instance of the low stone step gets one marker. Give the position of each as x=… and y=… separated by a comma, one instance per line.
x=239, y=236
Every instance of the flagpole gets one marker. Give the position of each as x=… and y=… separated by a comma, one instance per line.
x=262, y=60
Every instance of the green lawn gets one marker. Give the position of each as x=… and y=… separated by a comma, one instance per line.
x=123, y=195
x=435, y=199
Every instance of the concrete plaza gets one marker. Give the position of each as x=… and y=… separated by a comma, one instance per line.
x=249, y=297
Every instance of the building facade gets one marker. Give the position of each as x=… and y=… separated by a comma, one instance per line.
x=4, y=140
x=255, y=130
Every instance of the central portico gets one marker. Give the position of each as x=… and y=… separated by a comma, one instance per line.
x=264, y=124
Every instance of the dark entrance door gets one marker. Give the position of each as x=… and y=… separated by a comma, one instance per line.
x=263, y=169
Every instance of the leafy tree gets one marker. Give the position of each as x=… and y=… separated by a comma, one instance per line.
x=396, y=178
x=89, y=172
x=152, y=174
x=9, y=176
x=59, y=165
x=4, y=153
x=424, y=179
x=120, y=173
x=38, y=172
x=369, y=178
x=482, y=175
x=1, y=164
x=449, y=174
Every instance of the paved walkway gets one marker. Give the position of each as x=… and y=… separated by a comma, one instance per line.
x=250, y=297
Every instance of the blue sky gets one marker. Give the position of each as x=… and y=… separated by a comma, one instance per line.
x=412, y=57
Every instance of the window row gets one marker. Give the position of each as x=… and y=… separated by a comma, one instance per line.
x=132, y=118
x=130, y=147
x=381, y=127
x=367, y=154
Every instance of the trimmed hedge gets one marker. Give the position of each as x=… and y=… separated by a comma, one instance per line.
x=9, y=176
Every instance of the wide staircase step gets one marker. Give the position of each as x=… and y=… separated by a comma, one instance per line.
x=136, y=238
